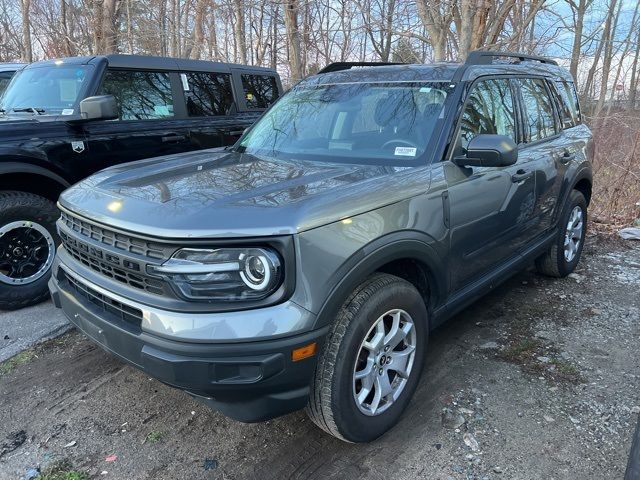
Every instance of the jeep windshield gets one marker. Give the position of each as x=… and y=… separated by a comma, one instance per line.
x=370, y=123
x=48, y=90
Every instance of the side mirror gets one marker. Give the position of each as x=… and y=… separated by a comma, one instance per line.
x=102, y=107
x=488, y=150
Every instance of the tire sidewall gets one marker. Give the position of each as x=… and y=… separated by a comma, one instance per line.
x=576, y=199
x=352, y=423
x=44, y=213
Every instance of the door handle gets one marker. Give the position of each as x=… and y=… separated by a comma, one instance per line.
x=521, y=175
x=566, y=157
x=173, y=138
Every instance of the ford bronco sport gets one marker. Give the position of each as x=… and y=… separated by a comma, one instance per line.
x=306, y=266
x=62, y=120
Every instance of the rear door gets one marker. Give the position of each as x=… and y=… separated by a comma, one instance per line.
x=543, y=149
x=147, y=125
x=490, y=207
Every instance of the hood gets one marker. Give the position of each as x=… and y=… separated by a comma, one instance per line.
x=210, y=194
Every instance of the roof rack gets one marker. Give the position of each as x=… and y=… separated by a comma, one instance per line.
x=479, y=57
x=338, y=66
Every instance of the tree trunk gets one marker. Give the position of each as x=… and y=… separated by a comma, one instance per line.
x=238, y=29
x=293, y=37
x=198, y=30
x=27, y=51
x=110, y=36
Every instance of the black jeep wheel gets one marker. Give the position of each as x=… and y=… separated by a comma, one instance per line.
x=27, y=247
x=372, y=360
x=564, y=254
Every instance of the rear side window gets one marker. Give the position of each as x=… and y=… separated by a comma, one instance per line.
x=260, y=91
x=569, y=106
x=539, y=119
x=489, y=109
x=207, y=94
x=139, y=95
x=5, y=78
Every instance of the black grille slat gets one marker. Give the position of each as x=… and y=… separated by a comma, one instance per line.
x=119, y=310
x=107, y=262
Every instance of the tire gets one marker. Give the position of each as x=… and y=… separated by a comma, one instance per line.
x=38, y=217
x=332, y=403
x=554, y=263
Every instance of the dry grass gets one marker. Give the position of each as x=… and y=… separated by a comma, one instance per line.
x=616, y=166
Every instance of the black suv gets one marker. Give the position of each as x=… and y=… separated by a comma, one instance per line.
x=307, y=265
x=65, y=119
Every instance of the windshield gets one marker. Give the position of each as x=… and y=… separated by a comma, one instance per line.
x=375, y=123
x=51, y=90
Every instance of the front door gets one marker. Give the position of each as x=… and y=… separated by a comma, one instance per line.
x=491, y=208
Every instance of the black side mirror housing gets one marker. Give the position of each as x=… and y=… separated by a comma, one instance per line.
x=488, y=150
x=101, y=107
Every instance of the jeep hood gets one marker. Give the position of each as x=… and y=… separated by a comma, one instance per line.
x=214, y=193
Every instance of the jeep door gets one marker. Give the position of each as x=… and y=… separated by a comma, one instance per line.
x=490, y=207
x=147, y=125
x=544, y=149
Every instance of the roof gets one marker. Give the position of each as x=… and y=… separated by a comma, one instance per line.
x=151, y=62
x=479, y=63
x=4, y=67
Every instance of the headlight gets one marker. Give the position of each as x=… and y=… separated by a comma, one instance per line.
x=223, y=274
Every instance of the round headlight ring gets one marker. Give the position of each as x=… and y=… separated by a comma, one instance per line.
x=257, y=271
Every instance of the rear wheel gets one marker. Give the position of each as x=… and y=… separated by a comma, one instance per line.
x=372, y=360
x=27, y=248
x=564, y=254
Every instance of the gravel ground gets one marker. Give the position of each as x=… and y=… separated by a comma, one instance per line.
x=537, y=380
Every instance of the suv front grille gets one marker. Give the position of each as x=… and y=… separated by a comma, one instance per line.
x=117, y=309
x=120, y=241
x=84, y=240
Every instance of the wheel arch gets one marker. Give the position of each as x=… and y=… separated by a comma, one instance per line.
x=25, y=177
x=409, y=258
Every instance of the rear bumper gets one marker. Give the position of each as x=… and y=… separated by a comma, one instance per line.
x=248, y=381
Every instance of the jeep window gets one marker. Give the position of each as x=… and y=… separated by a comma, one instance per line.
x=260, y=91
x=207, y=94
x=353, y=122
x=51, y=89
x=539, y=118
x=140, y=95
x=569, y=106
x=489, y=109
x=5, y=78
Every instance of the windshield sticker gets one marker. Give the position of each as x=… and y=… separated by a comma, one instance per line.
x=67, y=111
x=185, y=82
x=406, y=151
x=425, y=89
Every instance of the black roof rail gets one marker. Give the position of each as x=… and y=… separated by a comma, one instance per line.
x=338, y=66
x=480, y=57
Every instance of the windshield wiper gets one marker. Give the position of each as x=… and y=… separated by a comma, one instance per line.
x=35, y=110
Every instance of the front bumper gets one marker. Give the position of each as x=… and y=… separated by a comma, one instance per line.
x=248, y=381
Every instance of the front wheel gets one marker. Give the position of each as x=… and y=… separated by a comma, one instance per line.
x=564, y=254
x=27, y=248
x=372, y=360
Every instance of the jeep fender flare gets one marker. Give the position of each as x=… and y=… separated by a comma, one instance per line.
x=411, y=245
x=28, y=168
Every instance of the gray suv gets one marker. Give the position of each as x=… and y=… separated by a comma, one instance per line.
x=306, y=265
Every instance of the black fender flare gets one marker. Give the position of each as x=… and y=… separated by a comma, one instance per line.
x=28, y=168
x=396, y=246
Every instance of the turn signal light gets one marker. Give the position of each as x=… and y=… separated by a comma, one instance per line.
x=304, y=352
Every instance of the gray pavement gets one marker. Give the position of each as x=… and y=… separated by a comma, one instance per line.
x=23, y=328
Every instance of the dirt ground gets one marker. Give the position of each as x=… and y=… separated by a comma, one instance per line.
x=538, y=380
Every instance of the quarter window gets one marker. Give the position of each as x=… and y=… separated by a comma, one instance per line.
x=260, y=91
x=539, y=117
x=139, y=95
x=5, y=78
x=569, y=102
x=207, y=93
x=489, y=109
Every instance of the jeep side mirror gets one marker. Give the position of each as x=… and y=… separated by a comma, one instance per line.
x=101, y=107
x=488, y=150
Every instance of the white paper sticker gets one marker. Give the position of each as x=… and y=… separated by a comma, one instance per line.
x=67, y=111
x=185, y=82
x=406, y=151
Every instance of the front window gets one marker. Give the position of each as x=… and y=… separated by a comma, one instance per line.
x=355, y=123
x=50, y=90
